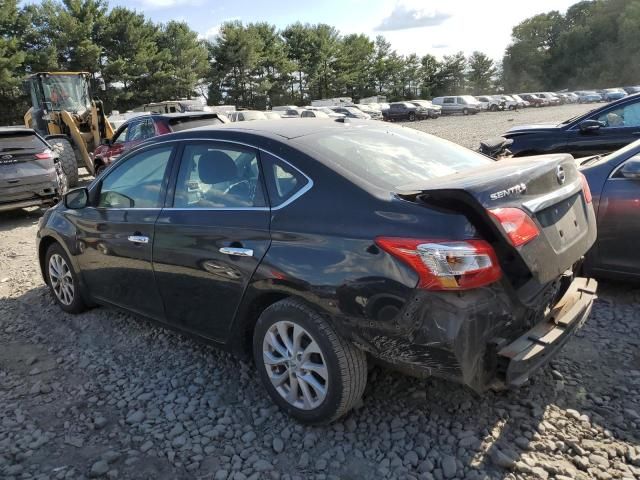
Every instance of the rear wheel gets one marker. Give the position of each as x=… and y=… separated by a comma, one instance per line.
x=465, y=111
x=307, y=369
x=67, y=159
x=63, y=280
x=412, y=117
x=63, y=181
x=493, y=108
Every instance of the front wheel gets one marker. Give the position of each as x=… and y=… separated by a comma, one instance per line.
x=63, y=280
x=308, y=370
x=465, y=111
x=412, y=117
x=67, y=158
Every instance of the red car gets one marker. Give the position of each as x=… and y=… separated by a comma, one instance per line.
x=138, y=129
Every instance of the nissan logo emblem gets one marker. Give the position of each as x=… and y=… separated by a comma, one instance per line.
x=6, y=157
x=560, y=175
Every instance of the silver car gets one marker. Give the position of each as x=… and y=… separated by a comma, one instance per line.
x=30, y=172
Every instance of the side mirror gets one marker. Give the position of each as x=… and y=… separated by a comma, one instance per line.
x=590, y=126
x=76, y=199
x=631, y=168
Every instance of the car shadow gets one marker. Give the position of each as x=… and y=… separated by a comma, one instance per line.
x=572, y=414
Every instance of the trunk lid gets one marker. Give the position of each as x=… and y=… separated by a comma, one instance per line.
x=547, y=187
x=18, y=162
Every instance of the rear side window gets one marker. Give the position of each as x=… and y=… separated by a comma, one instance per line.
x=449, y=100
x=179, y=124
x=20, y=141
x=283, y=180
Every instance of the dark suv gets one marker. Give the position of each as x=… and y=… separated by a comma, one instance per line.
x=30, y=172
x=402, y=111
x=318, y=246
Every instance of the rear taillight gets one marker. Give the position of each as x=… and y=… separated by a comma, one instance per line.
x=46, y=155
x=585, y=188
x=443, y=265
x=518, y=226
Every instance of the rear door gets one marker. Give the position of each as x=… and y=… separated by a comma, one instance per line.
x=212, y=235
x=621, y=126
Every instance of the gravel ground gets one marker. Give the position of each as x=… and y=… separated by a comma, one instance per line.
x=106, y=395
x=470, y=130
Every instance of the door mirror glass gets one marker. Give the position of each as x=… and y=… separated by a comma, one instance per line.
x=590, y=125
x=76, y=199
x=631, y=168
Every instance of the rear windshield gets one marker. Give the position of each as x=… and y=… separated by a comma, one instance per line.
x=20, y=141
x=388, y=158
x=179, y=124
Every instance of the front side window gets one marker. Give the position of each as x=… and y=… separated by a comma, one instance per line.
x=449, y=100
x=625, y=116
x=218, y=176
x=138, y=181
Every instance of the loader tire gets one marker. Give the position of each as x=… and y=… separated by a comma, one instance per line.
x=67, y=159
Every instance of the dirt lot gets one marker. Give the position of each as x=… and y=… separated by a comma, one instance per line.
x=104, y=394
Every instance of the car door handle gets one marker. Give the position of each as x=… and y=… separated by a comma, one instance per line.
x=239, y=252
x=138, y=239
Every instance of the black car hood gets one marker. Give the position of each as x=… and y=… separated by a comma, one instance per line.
x=537, y=127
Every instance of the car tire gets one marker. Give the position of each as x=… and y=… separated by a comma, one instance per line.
x=322, y=394
x=62, y=280
x=67, y=159
x=493, y=108
x=62, y=180
x=465, y=111
x=412, y=117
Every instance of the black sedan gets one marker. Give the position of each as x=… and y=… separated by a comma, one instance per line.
x=318, y=245
x=602, y=130
x=615, y=184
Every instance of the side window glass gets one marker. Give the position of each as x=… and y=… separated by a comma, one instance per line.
x=218, y=176
x=626, y=116
x=137, y=182
x=135, y=131
x=147, y=130
x=121, y=136
x=448, y=100
x=283, y=181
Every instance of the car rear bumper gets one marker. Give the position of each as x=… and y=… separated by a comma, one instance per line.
x=29, y=195
x=481, y=338
x=520, y=358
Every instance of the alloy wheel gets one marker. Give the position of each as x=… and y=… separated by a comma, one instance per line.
x=295, y=365
x=61, y=279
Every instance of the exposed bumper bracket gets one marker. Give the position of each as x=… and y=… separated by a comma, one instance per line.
x=537, y=346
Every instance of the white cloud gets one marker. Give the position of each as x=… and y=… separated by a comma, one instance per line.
x=160, y=4
x=403, y=17
x=213, y=31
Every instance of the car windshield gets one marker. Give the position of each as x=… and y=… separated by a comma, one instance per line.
x=353, y=110
x=388, y=158
x=66, y=92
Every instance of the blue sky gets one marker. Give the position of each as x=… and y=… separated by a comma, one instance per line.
x=439, y=27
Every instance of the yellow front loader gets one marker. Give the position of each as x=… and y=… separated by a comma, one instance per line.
x=64, y=112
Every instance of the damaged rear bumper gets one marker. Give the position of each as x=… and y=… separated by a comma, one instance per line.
x=520, y=358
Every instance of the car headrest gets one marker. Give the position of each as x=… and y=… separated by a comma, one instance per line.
x=216, y=167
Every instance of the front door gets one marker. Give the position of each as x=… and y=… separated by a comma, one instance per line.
x=211, y=237
x=117, y=234
x=621, y=126
x=619, y=224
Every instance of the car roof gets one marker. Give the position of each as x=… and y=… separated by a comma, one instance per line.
x=10, y=130
x=293, y=128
